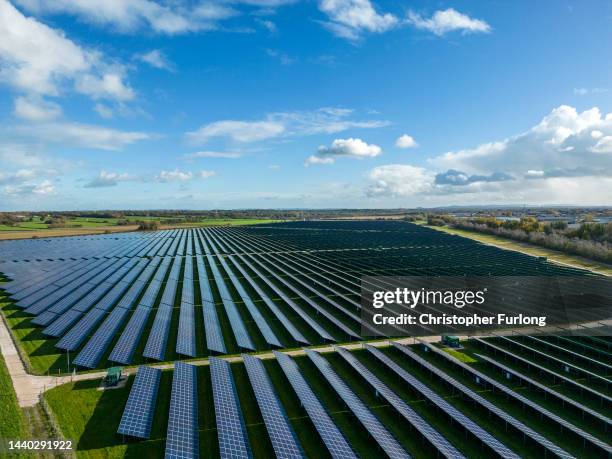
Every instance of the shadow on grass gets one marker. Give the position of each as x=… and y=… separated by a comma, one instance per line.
x=101, y=428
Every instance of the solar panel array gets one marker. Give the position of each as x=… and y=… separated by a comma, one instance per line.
x=185, y=342
x=541, y=411
x=438, y=441
x=231, y=430
x=493, y=409
x=140, y=407
x=372, y=424
x=182, y=437
x=334, y=440
x=478, y=432
x=212, y=327
x=283, y=438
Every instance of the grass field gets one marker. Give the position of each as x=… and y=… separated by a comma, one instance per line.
x=530, y=249
x=12, y=421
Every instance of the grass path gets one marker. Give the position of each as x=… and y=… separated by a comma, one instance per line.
x=531, y=249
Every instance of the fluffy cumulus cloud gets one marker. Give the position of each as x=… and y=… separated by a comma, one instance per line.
x=557, y=161
x=449, y=20
x=326, y=120
x=351, y=147
x=38, y=59
x=406, y=141
x=350, y=18
x=108, y=179
x=23, y=182
x=399, y=180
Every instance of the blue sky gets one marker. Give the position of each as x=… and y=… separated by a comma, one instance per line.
x=146, y=104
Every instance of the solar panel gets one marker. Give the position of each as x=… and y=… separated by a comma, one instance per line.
x=283, y=438
x=282, y=318
x=292, y=304
x=559, y=362
x=240, y=332
x=438, y=441
x=139, y=410
x=77, y=334
x=333, y=438
x=128, y=341
x=231, y=430
x=511, y=394
x=547, y=390
x=95, y=348
x=510, y=420
x=45, y=318
x=379, y=433
x=212, y=329
x=62, y=323
x=185, y=342
x=182, y=437
x=567, y=381
x=260, y=321
x=158, y=336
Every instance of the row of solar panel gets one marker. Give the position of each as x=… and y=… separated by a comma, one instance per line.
x=182, y=435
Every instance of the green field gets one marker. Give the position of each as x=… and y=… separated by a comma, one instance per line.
x=12, y=424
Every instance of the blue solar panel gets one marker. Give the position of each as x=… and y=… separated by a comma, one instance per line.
x=182, y=437
x=45, y=318
x=62, y=323
x=499, y=413
x=158, y=337
x=77, y=334
x=379, y=433
x=438, y=441
x=283, y=438
x=128, y=341
x=334, y=440
x=496, y=447
x=93, y=351
x=231, y=431
x=240, y=332
x=137, y=417
x=212, y=329
x=185, y=342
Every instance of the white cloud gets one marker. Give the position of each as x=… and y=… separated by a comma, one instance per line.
x=18, y=176
x=79, y=135
x=399, y=180
x=107, y=86
x=108, y=179
x=183, y=176
x=356, y=148
x=204, y=174
x=238, y=131
x=350, y=18
x=405, y=141
x=215, y=154
x=268, y=25
x=104, y=111
x=41, y=189
x=562, y=144
x=174, y=176
x=36, y=109
x=449, y=20
x=156, y=58
x=121, y=16
x=588, y=91
x=313, y=159
x=39, y=59
x=327, y=120
x=554, y=162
